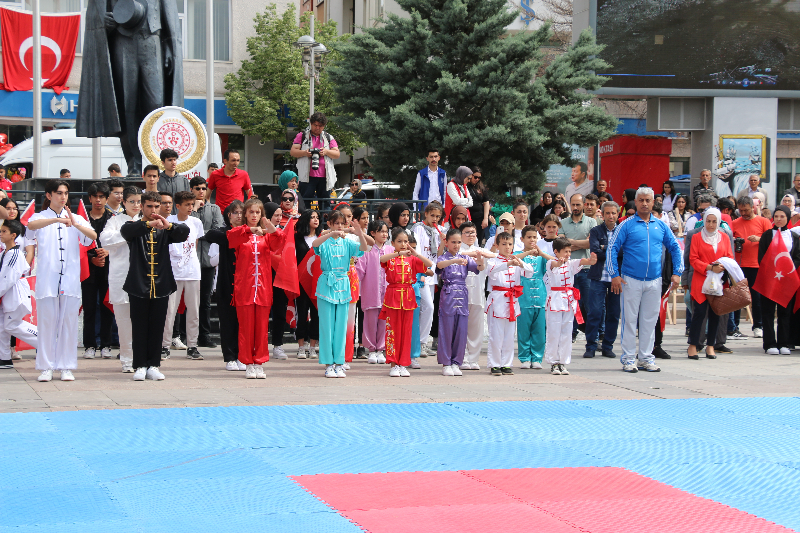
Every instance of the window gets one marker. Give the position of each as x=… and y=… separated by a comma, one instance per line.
x=785, y=173
x=193, y=25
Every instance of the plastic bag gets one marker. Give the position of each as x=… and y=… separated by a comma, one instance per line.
x=713, y=284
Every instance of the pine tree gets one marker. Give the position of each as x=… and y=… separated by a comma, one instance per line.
x=448, y=77
x=269, y=93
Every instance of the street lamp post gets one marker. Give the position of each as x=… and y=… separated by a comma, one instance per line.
x=312, y=61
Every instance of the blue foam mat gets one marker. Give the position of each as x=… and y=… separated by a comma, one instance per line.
x=226, y=468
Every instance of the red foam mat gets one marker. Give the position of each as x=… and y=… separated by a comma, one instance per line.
x=586, y=499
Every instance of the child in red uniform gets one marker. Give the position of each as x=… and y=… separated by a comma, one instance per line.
x=402, y=267
x=254, y=242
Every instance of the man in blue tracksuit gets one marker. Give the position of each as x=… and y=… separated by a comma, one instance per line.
x=640, y=238
x=431, y=182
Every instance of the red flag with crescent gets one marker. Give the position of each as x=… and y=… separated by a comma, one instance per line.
x=286, y=276
x=59, y=35
x=28, y=213
x=309, y=272
x=662, y=313
x=777, y=277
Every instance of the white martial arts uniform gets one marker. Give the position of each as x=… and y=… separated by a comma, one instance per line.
x=476, y=287
x=118, y=263
x=429, y=248
x=518, y=244
x=58, y=289
x=502, y=309
x=16, y=301
x=186, y=269
x=560, y=311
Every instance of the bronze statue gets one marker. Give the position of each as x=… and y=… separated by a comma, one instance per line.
x=132, y=64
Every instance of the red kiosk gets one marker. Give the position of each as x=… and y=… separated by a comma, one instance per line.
x=627, y=161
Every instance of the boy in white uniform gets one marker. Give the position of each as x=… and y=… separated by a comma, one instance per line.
x=502, y=306
x=476, y=287
x=15, y=293
x=562, y=305
x=430, y=245
x=186, y=269
x=58, y=234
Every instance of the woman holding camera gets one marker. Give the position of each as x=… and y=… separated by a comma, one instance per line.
x=707, y=247
x=778, y=345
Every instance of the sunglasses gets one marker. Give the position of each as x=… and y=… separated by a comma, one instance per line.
x=287, y=199
x=354, y=184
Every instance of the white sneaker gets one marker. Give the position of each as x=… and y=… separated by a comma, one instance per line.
x=456, y=370
x=177, y=344
x=404, y=373
x=105, y=353
x=154, y=373
x=314, y=352
x=88, y=353
x=786, y=351
x=346, y=366
x=758, y=333
x=581, y=336
x=555, y=370
x=241, y=365
x=127, y=369
x=447, y=370
x=381, y=358
x=648, y=367
x=278, y=352
x=260, y=372
x=773, y=351
x=46, y=375
x=339, y=369
x=330, y=372
x=564, y=371
x=302, y=352
x=15, y=356
x=231, y=365
x=250, y=373
x=66, y=375
x=394, y=372
x=140, y=374
x=423, y=350
x=525, y=364
x=415, y=364
x=536, y=366
x=372, y=359
x=475, y=366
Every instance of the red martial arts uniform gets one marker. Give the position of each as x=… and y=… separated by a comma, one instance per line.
x=252, y=290
x=398, y=307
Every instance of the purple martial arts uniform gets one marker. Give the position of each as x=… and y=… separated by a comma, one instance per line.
x=453, y=309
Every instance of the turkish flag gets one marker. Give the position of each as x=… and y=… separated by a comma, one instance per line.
x=291, y=313
x=84, y=249
x=777, y=278
x=662, y=313
x=286, y=276
x=309, y=272
x=59, y=35
x=28, y=213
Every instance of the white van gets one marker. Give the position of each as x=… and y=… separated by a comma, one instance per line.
x=62, y=149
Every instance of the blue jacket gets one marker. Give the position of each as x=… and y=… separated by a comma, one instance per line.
x=641, y=242
x=598, y=244
x=425, y=186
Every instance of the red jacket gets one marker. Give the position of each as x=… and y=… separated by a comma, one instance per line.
x=401, y=273
x=252, y=283
x=702, y=255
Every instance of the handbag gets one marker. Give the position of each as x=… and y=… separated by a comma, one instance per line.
x=733, y=298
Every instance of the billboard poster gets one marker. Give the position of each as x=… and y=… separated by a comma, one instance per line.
x=737, y=158
x=557, y=177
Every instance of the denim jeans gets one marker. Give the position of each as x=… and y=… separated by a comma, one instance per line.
x=600, y=302
x=582, y=284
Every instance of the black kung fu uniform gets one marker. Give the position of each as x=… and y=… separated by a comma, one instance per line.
x=149, y=284
x=228, y=320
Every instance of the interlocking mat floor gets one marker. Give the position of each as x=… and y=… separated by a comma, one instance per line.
x=693, y=465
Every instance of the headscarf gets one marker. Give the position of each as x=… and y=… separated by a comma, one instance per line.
x=786, y=211
x=270, y=208
x=285, y=178
x=293, y=192
x=394, y=213
x=789, y=196
x=709, y=237
x=630, y=194
x=462, y=173
x=458, y=210
x=545, y=194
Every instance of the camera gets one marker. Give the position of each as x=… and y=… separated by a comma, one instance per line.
x=314, y=158
x=738, y=244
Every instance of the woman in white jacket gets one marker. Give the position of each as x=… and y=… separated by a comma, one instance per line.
x=118, y=262
x=458, y=192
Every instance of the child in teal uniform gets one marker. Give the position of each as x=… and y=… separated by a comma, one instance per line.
x=416, y=348
x=333, y=290
x=531, y=322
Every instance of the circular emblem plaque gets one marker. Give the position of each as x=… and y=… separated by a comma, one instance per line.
x=178, y=129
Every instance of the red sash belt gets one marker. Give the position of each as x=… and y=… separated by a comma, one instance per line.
x=575, y=294
x=513, y=294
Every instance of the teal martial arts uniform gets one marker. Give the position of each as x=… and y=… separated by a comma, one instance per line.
x=415, y=343
x=333, y=297
x=531, y=329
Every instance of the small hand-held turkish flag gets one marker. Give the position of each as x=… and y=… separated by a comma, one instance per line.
x=662, y=313
x=59, y=35
x=84, y=249
x=28, y=213
x=777, y=277
x=286, y=275
x=309, y=272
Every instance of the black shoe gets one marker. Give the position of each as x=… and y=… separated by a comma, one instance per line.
x=507, y=371
x=497, y=371
x=361, y=353
x=721, y=348
x=659, y=353
x=609, y=354
x=164, y=353
x=687, y=332
x=711, y=355
x=192, y=353
x=588, y=354
x=602, y=336
x=6, y=363
x=206, y=343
